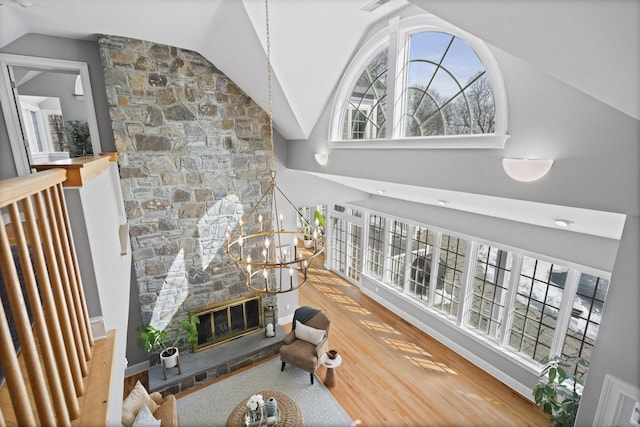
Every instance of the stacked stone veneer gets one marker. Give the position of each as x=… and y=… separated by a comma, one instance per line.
x=194, y=154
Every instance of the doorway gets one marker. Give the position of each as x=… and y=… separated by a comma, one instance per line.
x=48, y=108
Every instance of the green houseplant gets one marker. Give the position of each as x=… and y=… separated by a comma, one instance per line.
x=151, y=338
x=307, y=233
x=319, y=220
x=558, y=392
x=79, y=138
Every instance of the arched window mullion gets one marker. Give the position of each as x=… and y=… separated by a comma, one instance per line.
x=438, y=67
x=461, y=91
x=371, y=86
x=373, y=108
x=419, y=122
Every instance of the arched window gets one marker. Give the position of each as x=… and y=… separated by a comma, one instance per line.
x=421, y=83
x=365, y=115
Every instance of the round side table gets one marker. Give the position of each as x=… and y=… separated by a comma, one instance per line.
x=331, y=380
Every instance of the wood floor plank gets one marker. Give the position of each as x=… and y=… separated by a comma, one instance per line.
x=394, y=374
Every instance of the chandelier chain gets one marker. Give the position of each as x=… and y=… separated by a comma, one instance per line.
x=260, y=250
x=270, y=97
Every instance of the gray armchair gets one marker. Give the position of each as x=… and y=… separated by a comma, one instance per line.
x=303, y=351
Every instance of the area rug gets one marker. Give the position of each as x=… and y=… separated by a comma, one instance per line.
x=212, y=405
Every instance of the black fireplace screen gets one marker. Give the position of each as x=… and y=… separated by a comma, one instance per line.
x=221, y=322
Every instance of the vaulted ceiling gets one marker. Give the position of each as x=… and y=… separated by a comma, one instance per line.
x=590, y=45
x=593, y=46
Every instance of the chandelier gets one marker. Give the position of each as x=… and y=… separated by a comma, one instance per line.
x=261, y=245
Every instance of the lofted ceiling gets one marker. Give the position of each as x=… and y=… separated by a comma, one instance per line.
x=590, y=45
x=313, y=40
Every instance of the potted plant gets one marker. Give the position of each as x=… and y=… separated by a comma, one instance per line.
x=307, y=231
x=150, y=338
x=558, y=392
x=79, y=138
x=307, y=238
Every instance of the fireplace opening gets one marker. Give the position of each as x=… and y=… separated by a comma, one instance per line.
x=227, y=320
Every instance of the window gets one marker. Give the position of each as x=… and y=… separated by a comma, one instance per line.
x=354, y=262
x=490, y=288
x=366, y=108
x=36, y=130
x=531, y=307
x=452, y=253
x=305, y=212
x=339, y=246
x=376, y=245
x=537, y=306
x=447, y=90
x=396, y=254
x=421, y=259
x=346, y=242
x=585, y=320
x=421, y=83
x=58, y=135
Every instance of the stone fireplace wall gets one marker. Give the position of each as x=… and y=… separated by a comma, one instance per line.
x=194, y=154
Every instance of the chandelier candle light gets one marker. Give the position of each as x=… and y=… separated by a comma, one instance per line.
x=258, y=249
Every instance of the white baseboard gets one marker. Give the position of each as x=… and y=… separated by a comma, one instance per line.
x=98, y=328
x=136, y=369
x=487, y=367
x=286, y=319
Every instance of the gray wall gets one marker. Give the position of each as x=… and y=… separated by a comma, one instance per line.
x=70, y=50
x=617, y=350
x=7, y=165
x=57, y=85
x=596, y=154
x=596, y=150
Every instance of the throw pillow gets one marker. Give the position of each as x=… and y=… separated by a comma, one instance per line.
x=309, y=334
x=156, y=397
x=167, y=413
x=134, y=401
x=145, y=419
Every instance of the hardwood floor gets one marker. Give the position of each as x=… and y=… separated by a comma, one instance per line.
x=395, y=375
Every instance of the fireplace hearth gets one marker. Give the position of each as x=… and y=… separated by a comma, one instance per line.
x=213, y=363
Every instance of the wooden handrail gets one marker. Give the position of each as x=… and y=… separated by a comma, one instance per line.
x=18, y=188
x=80, y=170
x=46, y=381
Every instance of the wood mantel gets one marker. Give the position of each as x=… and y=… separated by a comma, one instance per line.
x=80, y=170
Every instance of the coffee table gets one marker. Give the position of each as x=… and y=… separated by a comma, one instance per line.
x=289, y=414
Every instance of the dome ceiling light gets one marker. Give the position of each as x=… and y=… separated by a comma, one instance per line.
x=526, y=170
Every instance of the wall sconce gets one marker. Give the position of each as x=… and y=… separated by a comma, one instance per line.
x=321, y=158
x=78, y=90
x=526, y=170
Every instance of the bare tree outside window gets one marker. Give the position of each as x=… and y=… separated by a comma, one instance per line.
x=448, y=92
x=365, y=115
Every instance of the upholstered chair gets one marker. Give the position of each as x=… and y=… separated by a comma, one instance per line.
x=307, y=341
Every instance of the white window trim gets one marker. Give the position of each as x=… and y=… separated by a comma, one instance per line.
x=501, y=343
x=407, y=258
x=394, y=36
